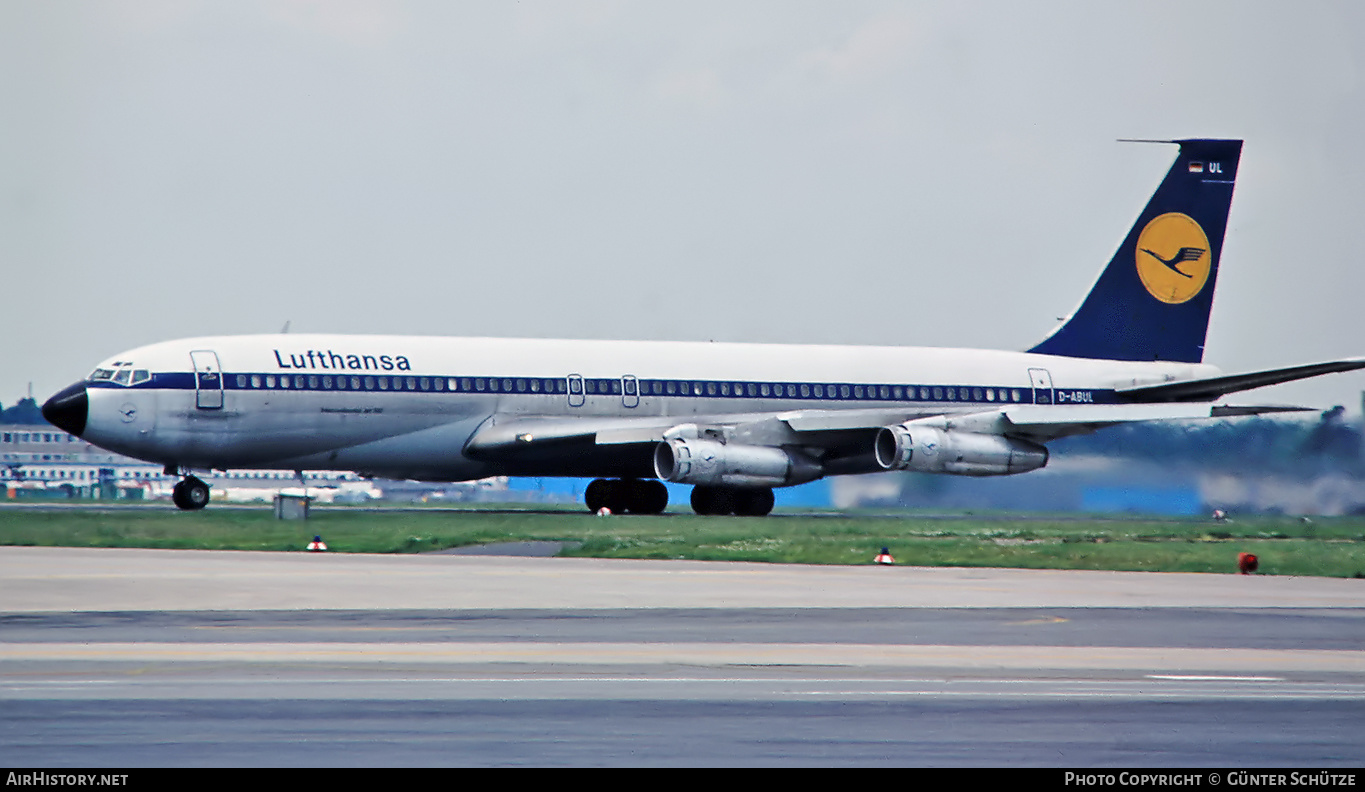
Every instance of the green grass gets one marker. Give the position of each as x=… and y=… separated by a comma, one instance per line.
x=1332, y=547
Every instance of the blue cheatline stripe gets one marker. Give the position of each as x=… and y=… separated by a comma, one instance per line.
x=597, y=387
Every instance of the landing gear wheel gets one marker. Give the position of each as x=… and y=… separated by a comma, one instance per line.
x=595, y=496
x=713, y=501
x=647, y=497
x=731, y=500
x=626, y=495
x=190, y=494
x=754, y=503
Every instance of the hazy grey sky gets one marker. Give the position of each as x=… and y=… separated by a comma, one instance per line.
x=940, y=174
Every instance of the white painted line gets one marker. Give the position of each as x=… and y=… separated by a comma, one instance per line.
x=1194, y=678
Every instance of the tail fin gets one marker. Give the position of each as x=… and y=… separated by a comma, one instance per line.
x=1153, y=300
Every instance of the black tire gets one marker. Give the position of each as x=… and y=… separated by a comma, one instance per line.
x=754, y=503
x=595, y=496
x=194, y=494
x=648, y=497
x=618, y=495
x=178, y=496
x=713, y=501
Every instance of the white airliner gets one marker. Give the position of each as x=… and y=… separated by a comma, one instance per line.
x=735, y=420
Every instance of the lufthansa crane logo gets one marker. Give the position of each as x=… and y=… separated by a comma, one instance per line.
x=1173, y=258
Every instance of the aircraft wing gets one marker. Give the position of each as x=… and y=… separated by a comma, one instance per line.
x=1213, y=387
x=510, y=437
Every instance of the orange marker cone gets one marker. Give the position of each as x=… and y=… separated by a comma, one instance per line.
x=1247, y=563
x=317, y=545
x=884, y=557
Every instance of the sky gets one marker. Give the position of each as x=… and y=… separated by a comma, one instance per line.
x=888, y=173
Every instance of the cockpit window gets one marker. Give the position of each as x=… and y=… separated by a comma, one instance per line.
x=122, y=373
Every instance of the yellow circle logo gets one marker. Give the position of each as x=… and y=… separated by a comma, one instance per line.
x=1173, y=258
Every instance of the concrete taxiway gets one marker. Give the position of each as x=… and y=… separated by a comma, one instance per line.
x=113, y=657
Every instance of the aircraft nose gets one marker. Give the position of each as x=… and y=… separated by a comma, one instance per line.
x=68, y=409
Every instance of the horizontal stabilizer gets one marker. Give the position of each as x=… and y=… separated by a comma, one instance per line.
x=1212, y=388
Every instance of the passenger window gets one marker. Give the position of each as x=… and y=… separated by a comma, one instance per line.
x=938, y=393
x=284, y=382
x=241, y=380
x=255, y=380
x=369, y=383
x=885, y=392
x=327, y=383
x=426, y=383
x=990, y=394
x=298, y=380
x=341, y=383
x=976, y=394
x=313, y=382
x=270, y=380
x=412, y=383
x=1015, y=395
x=383, y=383
x=819, y=391
x=952, y=394
x=763, y=389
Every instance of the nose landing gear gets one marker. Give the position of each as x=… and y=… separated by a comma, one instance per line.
x=190, y=494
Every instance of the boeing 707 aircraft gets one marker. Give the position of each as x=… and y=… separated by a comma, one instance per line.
x=733, y=420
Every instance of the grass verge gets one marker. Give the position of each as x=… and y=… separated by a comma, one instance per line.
x=1332, y=547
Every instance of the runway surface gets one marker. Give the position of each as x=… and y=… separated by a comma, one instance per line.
x=127, y=658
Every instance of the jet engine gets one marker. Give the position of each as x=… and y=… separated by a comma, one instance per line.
x=926, y=449
x=710, y=462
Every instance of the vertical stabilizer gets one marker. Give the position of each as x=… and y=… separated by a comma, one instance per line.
x=1152, y=301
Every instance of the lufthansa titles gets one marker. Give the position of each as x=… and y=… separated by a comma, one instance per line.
x=329, y=360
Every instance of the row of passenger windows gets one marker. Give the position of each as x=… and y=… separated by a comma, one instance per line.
x=36, y=437
x=629, y=387
x=453, y=384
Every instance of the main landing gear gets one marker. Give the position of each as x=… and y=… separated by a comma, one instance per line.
x=190, y=494
x=650, y=497
x=732, y=500
x=627, y=495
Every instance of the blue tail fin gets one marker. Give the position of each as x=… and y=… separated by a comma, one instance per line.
x=1153, y=300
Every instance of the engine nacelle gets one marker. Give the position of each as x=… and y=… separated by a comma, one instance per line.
x=710, y=462
x=926, y=449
